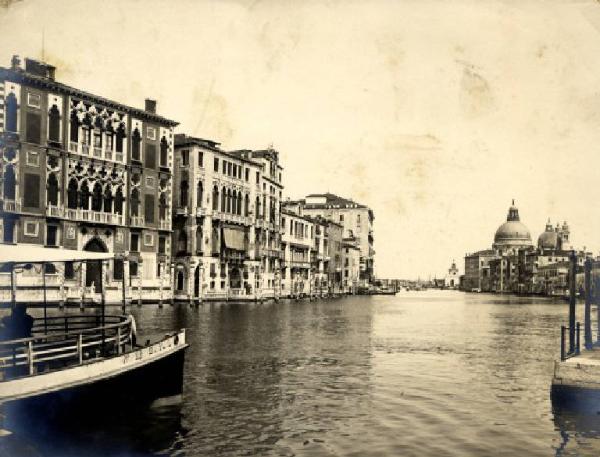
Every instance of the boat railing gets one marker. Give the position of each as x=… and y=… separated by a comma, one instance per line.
x=65, y=342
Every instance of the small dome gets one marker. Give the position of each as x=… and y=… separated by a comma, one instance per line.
x=548, y=240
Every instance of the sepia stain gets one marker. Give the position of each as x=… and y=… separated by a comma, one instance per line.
x=541, y=51
x=214, y=114
x=276, y=49
x=8, y=3
x=64, y=70
x=476, y=97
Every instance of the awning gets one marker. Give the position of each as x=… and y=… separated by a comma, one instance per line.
x=234, y=239
x=36, y=254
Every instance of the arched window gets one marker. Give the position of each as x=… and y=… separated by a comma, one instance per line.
x=74, y=135
x=223, y=199
x=182, y=241
x=180, y=280
x=183, y=196
x=119, y=137
x=215, y=198
x=72, y=194
x=84, y=196
x=135, y=202
x=108, y=199
x=234, y=202
x=257, y=209
x=199, y=244
x=10, y=183
x=199, y=194
x=228, y=201
x=97, y=197
x=135, y=144
x=162, y=206
x=239, y=204
x=11, y=113
x=215, y=240
x=54, y=124
x=119, y=201
x=247, y=205
x=52, y=190
x=164, y=152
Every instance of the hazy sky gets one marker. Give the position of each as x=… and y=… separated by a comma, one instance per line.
x=435, y=114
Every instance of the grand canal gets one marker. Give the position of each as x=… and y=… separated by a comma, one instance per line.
x=430, y=373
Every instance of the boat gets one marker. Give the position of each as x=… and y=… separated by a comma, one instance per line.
x=75, y=360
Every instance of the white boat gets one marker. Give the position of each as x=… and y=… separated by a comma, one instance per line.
x=82, y=357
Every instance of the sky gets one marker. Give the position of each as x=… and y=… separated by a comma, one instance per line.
x=434, y=114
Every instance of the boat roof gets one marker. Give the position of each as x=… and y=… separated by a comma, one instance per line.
x=11, y=253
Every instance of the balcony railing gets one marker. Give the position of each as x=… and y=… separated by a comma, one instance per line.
x=137, y=221
x=108, y=154
x=164, y=224
x=200, y=211
x=54, y=211
x=97, y=152
x=119, y=156
x=12, y=206
x=88, y=215
x=85, y=149
x=73, y=147
x=181, y=210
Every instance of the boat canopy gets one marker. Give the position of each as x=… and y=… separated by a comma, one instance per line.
x=10, y=253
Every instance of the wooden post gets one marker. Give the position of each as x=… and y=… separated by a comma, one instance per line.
x=572, y=301
x=80, y=348
x=45, y=297
x=103, y=302
x=588, y=304
x=30, y=356
x=119, y=340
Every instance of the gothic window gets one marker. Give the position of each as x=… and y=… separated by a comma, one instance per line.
x=54, y=124
x=199, y=238
x=135, y=145
x=119, y=137
x=97, y=197
x=74, y=136
x=199, y=194
x=180, y=280
x=183, y=195
x=164, y=152
x=72, y=194
x=108, y=199
x=223, y=199
x=10, y=183
x=162, y=207
x=52, y=190
x=215, y=240
x=135, y=202
x=239, y=204
x=182, y=241
x=228, y=201
x=11, y=113
x=247, y=205
x=119, y=201
x=234, y=202
x=257, y=209
x=215, y=198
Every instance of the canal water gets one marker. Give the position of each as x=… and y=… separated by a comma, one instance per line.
x=431, y=373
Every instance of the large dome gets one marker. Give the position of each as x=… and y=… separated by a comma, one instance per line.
x=548, y=240
x=513, y=232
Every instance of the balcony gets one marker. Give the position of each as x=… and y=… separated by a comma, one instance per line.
x=85, y=149
x=200, y=211
x=54, y=211
x=137, y=221
x=97, y=152
x=119, y=156
x=108, y=154
x=88, y=215
x=181, y=211
x=12, y=206
x=164, y=224
x=73, y=147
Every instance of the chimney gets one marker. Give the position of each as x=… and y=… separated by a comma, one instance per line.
x=15, y=63
x=150, y=106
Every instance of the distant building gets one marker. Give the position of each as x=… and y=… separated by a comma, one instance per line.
x=356, y=219
x=452, y=278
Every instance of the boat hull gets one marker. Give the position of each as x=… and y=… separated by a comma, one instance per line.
x=143, y=375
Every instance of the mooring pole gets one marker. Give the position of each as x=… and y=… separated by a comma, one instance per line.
x=572, y=301
x=588, y=304
x=45, y=298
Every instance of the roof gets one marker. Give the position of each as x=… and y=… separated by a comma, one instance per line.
x=332, y=199
x=182, y=140
x=22, y=77
x=11, y=253
x=485, y=252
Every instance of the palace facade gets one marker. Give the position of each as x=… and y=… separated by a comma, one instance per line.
x=80, y=171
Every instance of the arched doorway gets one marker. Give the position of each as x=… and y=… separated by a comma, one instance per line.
x=93, y=269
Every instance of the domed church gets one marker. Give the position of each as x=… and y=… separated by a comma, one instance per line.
x=555, y=238
x=513, y=234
